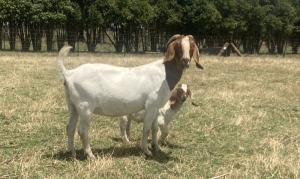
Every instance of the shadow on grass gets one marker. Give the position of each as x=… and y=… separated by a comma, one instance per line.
x=114, y=152
x=165, y=144
x=172, y=146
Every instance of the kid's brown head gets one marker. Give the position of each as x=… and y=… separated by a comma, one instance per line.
x=180, y=94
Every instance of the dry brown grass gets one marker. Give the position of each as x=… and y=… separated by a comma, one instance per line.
x=246, y=126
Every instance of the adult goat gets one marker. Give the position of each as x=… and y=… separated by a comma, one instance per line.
x=116, y=91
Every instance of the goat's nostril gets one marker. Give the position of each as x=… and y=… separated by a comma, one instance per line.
x=186, y=62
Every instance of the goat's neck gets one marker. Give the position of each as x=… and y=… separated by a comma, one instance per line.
x=168, y=112
x=173, y=73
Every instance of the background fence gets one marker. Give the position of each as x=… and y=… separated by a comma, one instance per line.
x=144, y=43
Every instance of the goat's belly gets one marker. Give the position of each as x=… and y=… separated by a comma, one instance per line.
x=118, y=110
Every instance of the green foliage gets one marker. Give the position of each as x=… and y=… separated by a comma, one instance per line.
x=259, y=19
x=201, y=17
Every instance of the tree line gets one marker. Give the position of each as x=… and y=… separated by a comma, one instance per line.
x=126, y=23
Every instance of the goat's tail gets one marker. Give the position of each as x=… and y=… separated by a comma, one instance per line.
x=62, y=54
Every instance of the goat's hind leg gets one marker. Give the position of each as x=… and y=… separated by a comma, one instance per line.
x=71, y=127
x=83, y=131
x=149, y=118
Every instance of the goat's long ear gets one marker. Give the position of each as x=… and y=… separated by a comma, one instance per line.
x=196, y=57
x=189, y=94
x=173, y=97
x=170, y=52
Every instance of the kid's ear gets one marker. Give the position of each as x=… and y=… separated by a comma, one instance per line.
x=173, y=97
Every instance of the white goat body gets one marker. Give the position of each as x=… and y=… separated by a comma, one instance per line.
x=115, y=91
x=126, y=90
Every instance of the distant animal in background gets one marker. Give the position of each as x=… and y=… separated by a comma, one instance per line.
x=166, y=114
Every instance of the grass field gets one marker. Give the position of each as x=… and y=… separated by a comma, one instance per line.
x=247, y=124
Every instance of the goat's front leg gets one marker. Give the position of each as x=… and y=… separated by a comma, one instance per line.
x=154, y=134
x=83, y=131
x=128, y=127
x=71, y=128
x=150, y=115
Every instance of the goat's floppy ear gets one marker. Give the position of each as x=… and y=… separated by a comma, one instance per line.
x=189, y=94
x=194, y=104
x=173, y=97
x=171, y=47
x=196, y=57
x=170, y=52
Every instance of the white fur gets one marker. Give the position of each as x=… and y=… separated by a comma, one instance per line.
x=186, y=48
x=184, y=87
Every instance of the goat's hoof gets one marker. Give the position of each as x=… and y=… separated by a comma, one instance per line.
x=90, y=156
x=126, y=142
x=148, y=153
x=155, y=147
x=164, y=143
x=71, y=154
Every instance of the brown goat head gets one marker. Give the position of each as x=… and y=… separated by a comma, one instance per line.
x=180, y=94
x=182, y=49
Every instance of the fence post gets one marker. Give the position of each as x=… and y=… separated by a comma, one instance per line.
x=230, y=42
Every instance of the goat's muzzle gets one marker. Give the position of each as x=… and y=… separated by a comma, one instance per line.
x=186, y=62
x=183, y=98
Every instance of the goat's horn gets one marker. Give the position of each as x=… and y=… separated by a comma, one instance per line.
x=174, y=37
x=191, y=37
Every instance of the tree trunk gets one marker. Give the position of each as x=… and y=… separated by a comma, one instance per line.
x=49, y=38
x=60, y=35
x=144, y=41
x=72, y=38
x=280, y=45
x=295, y=42
x=24, y=34
x=12, y=35
x=91, y=39
x=136, y=41
x=119, y=40
x=153, y=41
x=1, y=32
x=128, y=42
x=36, y=33
x=271, y=45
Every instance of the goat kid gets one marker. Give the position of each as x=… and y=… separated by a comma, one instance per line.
x=116, y=91
x=166, y=114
